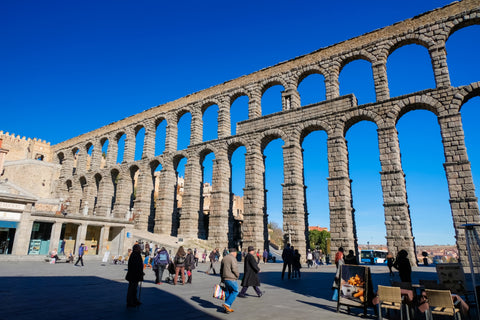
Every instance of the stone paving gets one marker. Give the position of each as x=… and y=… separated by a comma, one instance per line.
x=34, y=289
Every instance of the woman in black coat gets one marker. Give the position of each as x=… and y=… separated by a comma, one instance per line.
x=250, y=274
x=134, y=276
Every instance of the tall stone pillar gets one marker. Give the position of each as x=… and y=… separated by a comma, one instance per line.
x=332, y=86
x=171, y=134
x=112, y=152
x=438, y=55
x=75, y=195
x=196, y=127
x=253, y=198
x=96, y=156
x=164, y=206
x=103, y=243
x=55, y=236
x=67, y=165
x=89, y=195
x=130, y=144
x=380, y=80
x=224, y=125
x=81, y=236
x=342, y=225
x=293, y=195
x=220, y=232
x=143, y=199
x=254, y=102
x=81, y=161
x=149, y=141
x=463, y=202
x=121, y=208
x=397, y=215
x=104, y=197
x=189, y=220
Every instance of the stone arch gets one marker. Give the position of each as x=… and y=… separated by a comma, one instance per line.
x=308, y=127
x=413, y=103
x=465, y=94
x=458, y=24
x=240, y=92
x=208, y=103
x=206, y=151
x=233, y=145
x=270, y=135
x=60, y=156
x=177, y=157
x=268, y=83
x=408, y=39
x=307, y=71
x=353, y=117
x=355, y=55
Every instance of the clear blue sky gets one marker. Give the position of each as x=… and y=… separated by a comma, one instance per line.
x=71, y=67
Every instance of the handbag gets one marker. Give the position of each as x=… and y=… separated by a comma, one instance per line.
x=218, y=292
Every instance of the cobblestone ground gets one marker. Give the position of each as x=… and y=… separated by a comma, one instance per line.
x=38, y=290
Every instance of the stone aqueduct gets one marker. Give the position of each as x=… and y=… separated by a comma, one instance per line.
x=110, y=186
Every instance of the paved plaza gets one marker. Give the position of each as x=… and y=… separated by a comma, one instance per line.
x=39, y=290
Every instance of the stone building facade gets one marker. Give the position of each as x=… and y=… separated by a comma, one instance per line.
x=107, y=191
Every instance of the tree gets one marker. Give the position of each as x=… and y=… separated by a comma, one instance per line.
x=318, y=239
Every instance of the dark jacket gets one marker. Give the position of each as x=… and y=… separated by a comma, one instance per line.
x=190, y=262
x=135, y=268
x=402, y=264
x=251, y=269
x=287, y=255
x=179, y=260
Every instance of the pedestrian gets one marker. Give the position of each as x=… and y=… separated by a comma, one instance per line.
x=196, y=256
x=62, y=247
x=225, y=252
x=204, y=256
x=160, y=263
x=134, y=276
x=147, y=249
x=229, y=275
x=390, y=261
x=213, y=258
x=402, y=264
x=351, y=258
x=309, y=258
x=316, y=256
x=338, y=263
x=296, y=264
x=265, y=256
x=287, y=256
x=179, y=262
x=189, y=264
x=250, y=273
x=81, y=252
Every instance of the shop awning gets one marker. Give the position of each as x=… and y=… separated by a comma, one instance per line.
x=8, y=224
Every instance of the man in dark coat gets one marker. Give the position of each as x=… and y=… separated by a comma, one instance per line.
x=250, y=273
x=287, y=257
x=134, y=276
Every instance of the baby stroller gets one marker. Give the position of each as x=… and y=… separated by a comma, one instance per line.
x=171, y=272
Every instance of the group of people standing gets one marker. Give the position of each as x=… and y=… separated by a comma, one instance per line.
x=185, y=261
x=291, y=261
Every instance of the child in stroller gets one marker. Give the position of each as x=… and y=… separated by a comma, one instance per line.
x=171, y=272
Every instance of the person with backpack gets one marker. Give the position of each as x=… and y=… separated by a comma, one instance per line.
x=160, y=262
x=179, y=261
x=190, y=264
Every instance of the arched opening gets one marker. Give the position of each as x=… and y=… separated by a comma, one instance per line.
x=470, y=114
x=462, y=58
x=120, y=147
x=272, y=100
x=236, y=208
x=139, y=142
x=409, y=69
x=184, y=131
x=312, y=89
x=366, y=189
x=273, y=191
x=179, y=165
x=210, y=123
x=206, y=195
x=427, y=188
x=103, y=161
x=357, y=77
x=238, y=112
x=160, y=136
x=315, y=174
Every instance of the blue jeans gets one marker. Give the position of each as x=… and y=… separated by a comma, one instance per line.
x=231, y=292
